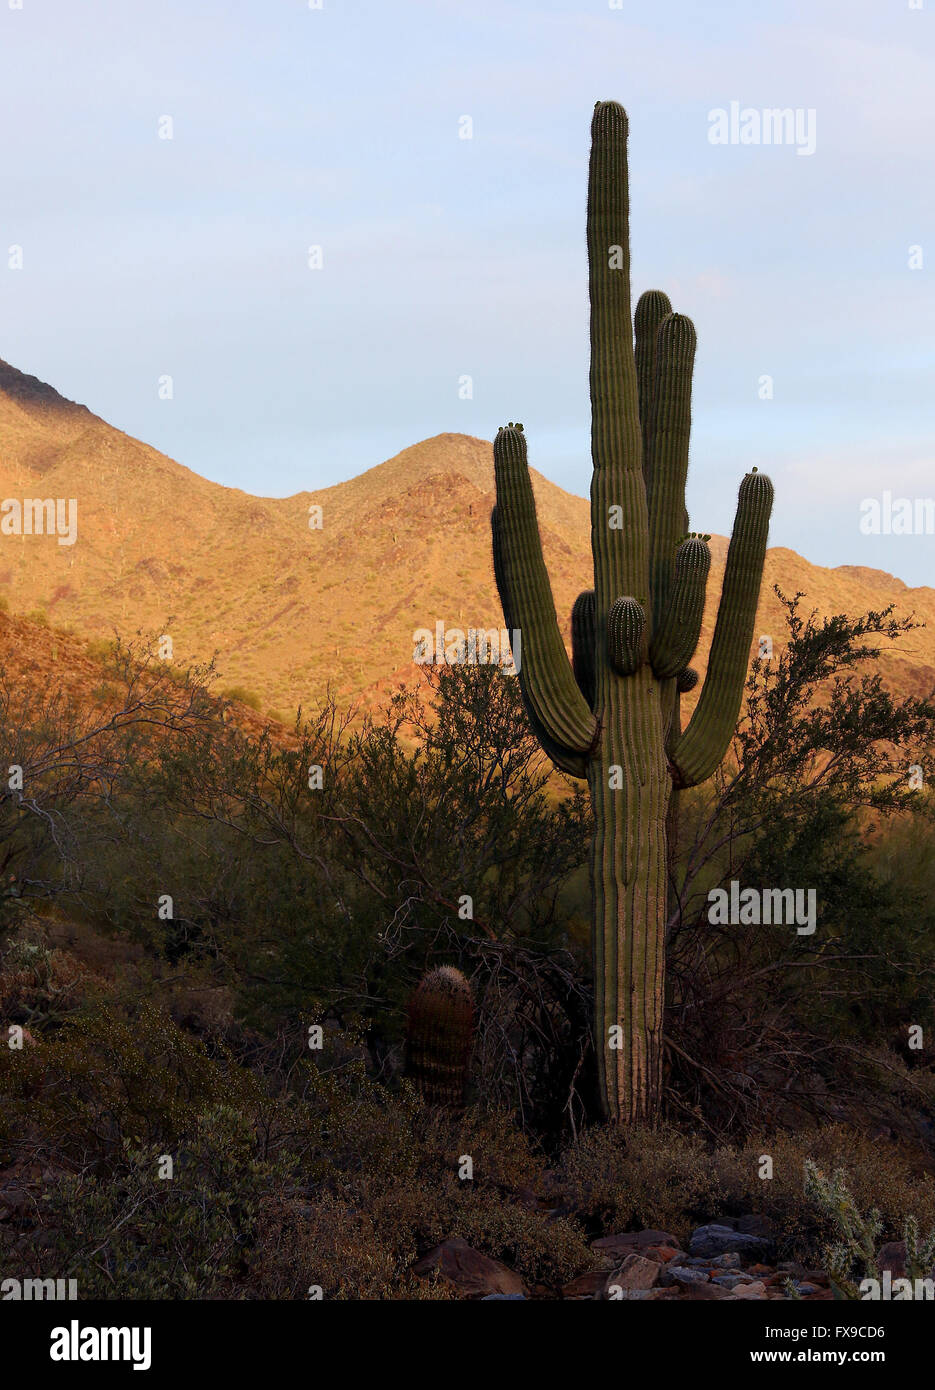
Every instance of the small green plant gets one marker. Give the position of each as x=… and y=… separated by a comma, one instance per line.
x=853, y=1257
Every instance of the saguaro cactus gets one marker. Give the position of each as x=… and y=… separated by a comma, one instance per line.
x=612, y=716
x=439, y=1038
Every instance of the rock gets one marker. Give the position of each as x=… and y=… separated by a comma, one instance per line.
x=804, y=1289
x=695, y=1292
x=473, y=1274
x=662, y=1254
x=730, y=1281
x=504, y=1297
x=632, y=1242
x=756, y=1289
x=682, y=1275
x=730, y=1260
x=636, y=1272
x=892, y=1256
x=589, y=1285
x=708, y=1242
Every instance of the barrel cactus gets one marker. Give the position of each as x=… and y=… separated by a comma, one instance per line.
x=612, y=714
x=439, y=1037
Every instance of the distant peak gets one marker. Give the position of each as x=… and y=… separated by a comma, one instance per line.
x=33, y=395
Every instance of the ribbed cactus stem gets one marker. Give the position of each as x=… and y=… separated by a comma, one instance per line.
x=676, y=636
x=548, y=681
x=651, y=308
x=626, y=624
x=613, y=714
x=582, y=644
x=702, y=747
x=572, y=763
x=440, y=1036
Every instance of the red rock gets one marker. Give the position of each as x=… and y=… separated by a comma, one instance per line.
x=589, y=1285
x=630, y=1242
x=468, y=1270
x=662, y=1254
x=636, y=1272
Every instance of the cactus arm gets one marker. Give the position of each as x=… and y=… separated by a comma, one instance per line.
x=559, y=708
x=675, y=639
x=701, y=748
x=583, y=637
x=570, y=763
x=626, y=624
x=651, y=308
x=668, y=448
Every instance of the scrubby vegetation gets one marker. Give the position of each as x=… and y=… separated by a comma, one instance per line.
x=183, y=905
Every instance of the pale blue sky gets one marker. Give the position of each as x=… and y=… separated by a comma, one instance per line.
x=445, y=257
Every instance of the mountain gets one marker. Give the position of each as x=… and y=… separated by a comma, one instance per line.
x=290, y=609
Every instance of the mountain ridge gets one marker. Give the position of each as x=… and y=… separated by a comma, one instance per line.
x=292, y=609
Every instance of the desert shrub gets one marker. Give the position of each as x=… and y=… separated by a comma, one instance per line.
x=283, y=1178
x=852, y=1255
x=243, y=696
x=327, y=1245
x=666, y=1178
x=133, y=1234
x=413, y=1217
x=770, y=1027
x=104, y=1079
x=40, y=984
x=893, y=1177
x=651, y=1177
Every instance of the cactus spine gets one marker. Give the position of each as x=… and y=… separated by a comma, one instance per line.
x=439, y=1037
x=612, y=715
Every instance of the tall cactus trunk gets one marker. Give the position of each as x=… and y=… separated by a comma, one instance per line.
x=612, y=714
x=629, y=891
